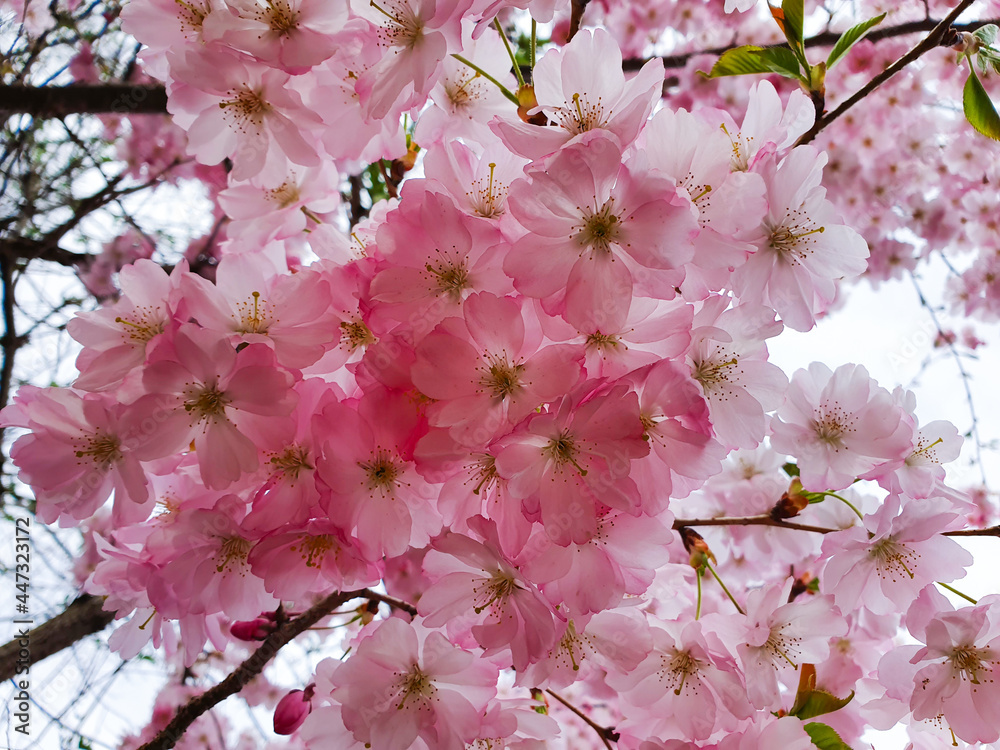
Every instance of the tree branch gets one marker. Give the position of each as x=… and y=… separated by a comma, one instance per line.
x=825, y=39
x=11, y=342
x=750, y=521
x=991, y=531
x=255, y=663
x=85, y=616
x=605, y=733
x=104, y=98
x=20, y=248
x=932, y=40
x=122, y=98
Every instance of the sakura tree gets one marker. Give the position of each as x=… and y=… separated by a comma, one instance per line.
x=464, y=366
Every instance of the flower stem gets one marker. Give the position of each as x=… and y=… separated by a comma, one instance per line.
x=716, y=576
x=697, y=609
x=957, y=592
x=844, y=500
x=503, y=89
x=510, y=52
x=534, y=44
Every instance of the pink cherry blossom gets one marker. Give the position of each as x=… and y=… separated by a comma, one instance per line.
x=566, y=463
x=728, y=357
x=590, y=220
x=80, y=450
x=402, y=683
x=369, y=485
x=115, y=338
x=839, y=425
x=200, y=388
x=958, y=670
x=779, y=634
x=475, y=576
x=487, y=372
x=884, y=564
x=243, y=112
x=580, y=88
x=803, y=247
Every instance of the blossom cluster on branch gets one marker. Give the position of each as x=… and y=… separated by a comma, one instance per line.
x=495, y=395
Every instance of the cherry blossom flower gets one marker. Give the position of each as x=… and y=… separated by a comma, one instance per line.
x=728, y=357
x=259, y=302
x=899, y=550
x=475, y=576
x=366, y=474
x=839, y=425
x=487, y=372
x=204, y=566
x=779, y=634
x=402, y=683
x=115, y=338
x=563, y=464
x=293, y=35
x=590, y=220
x=958, y=671
x=689, y=683
x=414, y=36
x=80, y=450
x=581, y=87
x=243, y=112
x=200, y=388
x=804, y=248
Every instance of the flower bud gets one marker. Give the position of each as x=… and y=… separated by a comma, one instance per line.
x=293, y=709
x=792, y=502
x=255, y=630
x=696, y=547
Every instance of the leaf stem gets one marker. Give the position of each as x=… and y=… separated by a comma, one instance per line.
x=510, y=52
x=731, y=598
x=503, y=89
x=957, y=592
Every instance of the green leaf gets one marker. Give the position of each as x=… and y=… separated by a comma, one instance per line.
x=979, y=110
x=810, y=702
x=750, y=59
x=818, y=702
x=792, y=16
x=986, y=34
x=791, y=469
x=825, y=737
x=851, y=37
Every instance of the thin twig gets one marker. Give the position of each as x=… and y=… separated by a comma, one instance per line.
x=607, y=734
x=750, y=521
x=932, y=40
x=250, y=668
x=974, y=429
x=990, y=531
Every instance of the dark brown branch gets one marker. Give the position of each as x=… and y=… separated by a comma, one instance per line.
x=105, y=98
x=577, y=8
x=20, y=248
x=991, y=531
x=83, y=617
x=254, y=665
x=825, y=39
x=750, y=521
x=11, y=342
x=939, y=33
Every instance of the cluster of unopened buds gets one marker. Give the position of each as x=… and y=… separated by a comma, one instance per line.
x=506, y=397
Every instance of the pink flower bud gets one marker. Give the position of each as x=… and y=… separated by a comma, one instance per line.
x=292, y=710
x=253, y=630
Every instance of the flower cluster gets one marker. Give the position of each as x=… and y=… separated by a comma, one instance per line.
x=523, y=372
